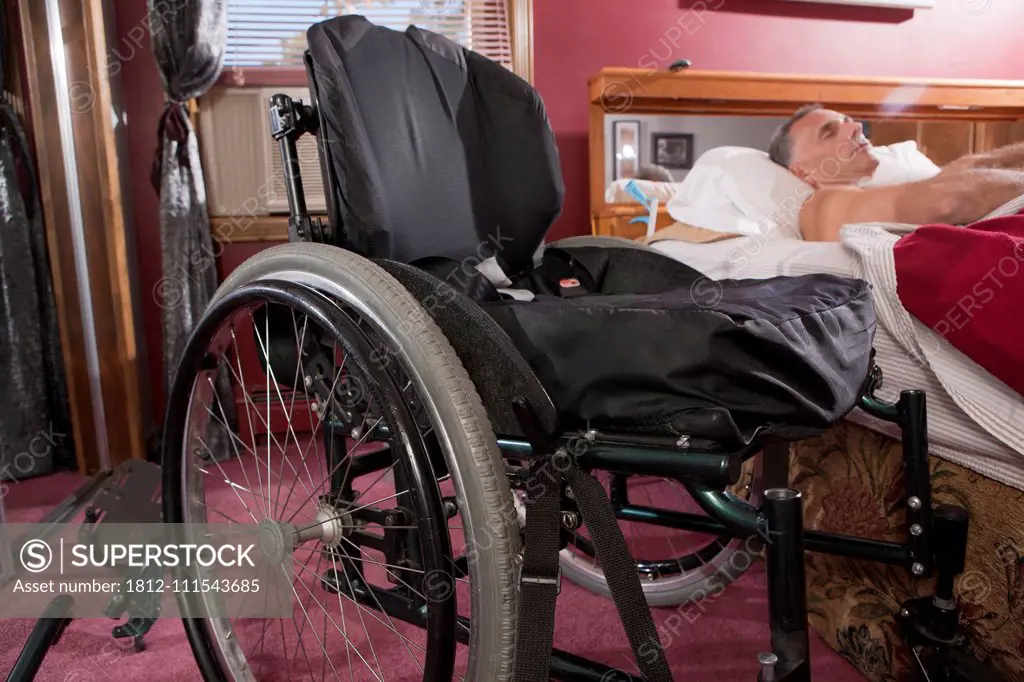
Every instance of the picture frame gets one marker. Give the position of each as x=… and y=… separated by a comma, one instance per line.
x=625, y=149
x=672, y=150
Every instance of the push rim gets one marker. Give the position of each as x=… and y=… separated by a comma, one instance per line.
x=222, y=652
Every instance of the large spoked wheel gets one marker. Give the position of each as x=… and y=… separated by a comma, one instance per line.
x=362, y=443
x=675, y=566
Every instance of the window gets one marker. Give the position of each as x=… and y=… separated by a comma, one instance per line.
x=272, y=33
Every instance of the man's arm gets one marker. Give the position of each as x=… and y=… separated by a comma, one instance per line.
x=1010, y=157
x=954, y=198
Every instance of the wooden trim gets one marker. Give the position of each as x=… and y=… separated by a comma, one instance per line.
x=99, y=178
x=521, y=30
x=32, y=43
x=264, y=76
x=633, y=90
x=695, y=92
x=126, y=400
x=989, y=136
x=626, y=72
x=249, y=228
x=629, y=211
x=598, y=158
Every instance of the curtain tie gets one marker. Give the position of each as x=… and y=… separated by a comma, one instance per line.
x=173, y=123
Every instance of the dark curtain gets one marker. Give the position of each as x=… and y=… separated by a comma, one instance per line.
x=35, y=417
x=189, y=38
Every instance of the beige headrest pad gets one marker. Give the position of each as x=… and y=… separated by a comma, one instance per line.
x=681, y=232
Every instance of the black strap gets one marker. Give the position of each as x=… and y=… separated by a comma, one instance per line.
x=620, y=573
x=540, y=579
x=559, y=267
x=560, y=274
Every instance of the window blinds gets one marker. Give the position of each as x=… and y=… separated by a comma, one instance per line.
x=273, y=32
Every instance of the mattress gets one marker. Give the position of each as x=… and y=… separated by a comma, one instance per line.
x=952, y=433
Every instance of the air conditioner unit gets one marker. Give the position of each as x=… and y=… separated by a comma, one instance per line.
x=242, y=162
x=891, y=4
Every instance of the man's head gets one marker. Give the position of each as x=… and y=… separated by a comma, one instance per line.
x=823, y=147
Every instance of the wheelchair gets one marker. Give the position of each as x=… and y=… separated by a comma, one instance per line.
x=466, y=387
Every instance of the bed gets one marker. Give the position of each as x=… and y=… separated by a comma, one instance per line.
x=851, y=476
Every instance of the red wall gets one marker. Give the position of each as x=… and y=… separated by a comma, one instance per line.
x=573, y=39
x=143, y=103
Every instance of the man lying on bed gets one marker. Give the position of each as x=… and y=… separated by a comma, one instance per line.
x=963, y=284
x=816, y=138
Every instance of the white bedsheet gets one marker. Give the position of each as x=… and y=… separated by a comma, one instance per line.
x=973, y=419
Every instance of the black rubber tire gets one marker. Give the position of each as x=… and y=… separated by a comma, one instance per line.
x=470, y=448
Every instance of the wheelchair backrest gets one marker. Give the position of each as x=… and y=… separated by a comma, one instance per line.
x=434, y=149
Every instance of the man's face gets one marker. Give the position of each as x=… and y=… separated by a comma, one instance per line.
x=829, y=148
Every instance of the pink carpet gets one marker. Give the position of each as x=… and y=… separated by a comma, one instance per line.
x=719, y=644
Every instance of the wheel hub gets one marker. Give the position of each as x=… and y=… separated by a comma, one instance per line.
x=272, y=540
x=329, y=526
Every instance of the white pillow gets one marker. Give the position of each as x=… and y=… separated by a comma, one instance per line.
x=900, y=163
x=765, y=192
x=741, y=191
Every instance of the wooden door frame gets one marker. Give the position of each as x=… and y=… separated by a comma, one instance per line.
x=72, y=102
x=520, y=21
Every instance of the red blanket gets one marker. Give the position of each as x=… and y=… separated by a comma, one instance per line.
x=967, y=284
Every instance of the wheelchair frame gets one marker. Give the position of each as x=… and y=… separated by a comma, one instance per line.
x=936, y=538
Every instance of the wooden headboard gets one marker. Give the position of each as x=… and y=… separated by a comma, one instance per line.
x=947, y=117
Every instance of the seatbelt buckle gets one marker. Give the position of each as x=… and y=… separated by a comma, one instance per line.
x=570, y=287
x=538, y=580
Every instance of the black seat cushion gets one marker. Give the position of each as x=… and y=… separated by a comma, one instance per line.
x=708, y=359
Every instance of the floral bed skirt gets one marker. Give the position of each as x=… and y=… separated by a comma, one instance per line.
x=852, y=481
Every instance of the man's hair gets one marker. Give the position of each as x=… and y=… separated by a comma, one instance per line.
x=780, y=147
x=654, y=173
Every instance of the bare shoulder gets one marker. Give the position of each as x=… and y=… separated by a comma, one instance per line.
x=819, y=213
x=829, y=209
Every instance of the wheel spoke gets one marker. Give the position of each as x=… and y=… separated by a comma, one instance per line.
x=358, y=515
